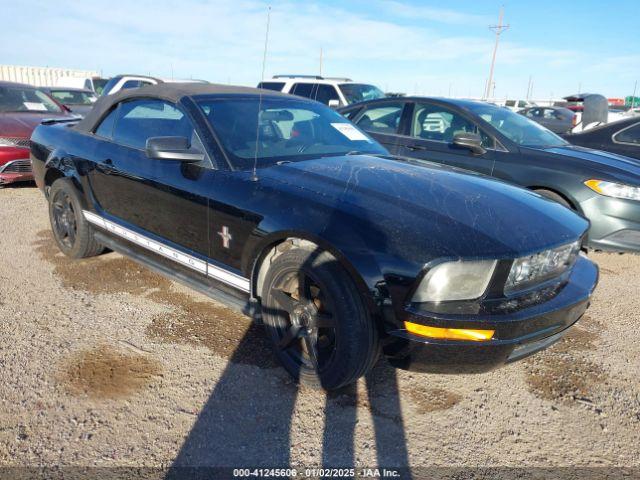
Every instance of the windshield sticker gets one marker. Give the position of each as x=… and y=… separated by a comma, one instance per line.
x=34, y=106
x=351, y=132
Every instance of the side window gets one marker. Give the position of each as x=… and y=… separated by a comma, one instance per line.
x=510, y=103
x=432, y=122
x=522, y=104
x=383, y=118
x=629, y=135
x=131, y=84
x=324, y=93
x=439, y=124
x=303, y=89
x=276, y=86
x=105, y=129
x=139, y=120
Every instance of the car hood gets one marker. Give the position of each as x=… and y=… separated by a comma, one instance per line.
x=606, y=163
x=22, y=124
x=422, y=211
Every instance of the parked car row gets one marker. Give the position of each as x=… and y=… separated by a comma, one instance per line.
x=22, y=108
x=281, y=207
x=557, y=119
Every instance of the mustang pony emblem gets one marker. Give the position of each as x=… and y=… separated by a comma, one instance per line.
x=226, y=236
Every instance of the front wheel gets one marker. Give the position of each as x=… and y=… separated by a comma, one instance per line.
x=551, y=195
x=315, y=317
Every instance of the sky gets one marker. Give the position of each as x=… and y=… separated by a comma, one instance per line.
x=415, y=47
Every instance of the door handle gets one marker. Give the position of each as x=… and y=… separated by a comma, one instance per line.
x=415, y=148
x=108, y=162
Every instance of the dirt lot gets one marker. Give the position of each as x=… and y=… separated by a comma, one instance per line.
x=104, y=363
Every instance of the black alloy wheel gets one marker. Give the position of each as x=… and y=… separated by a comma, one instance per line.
x=307, y=331
x=320, y=329
x=64, y=219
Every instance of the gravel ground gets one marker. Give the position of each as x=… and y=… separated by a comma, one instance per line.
x=104, y=363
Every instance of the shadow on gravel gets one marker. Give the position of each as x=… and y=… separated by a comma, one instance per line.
x=248, y=422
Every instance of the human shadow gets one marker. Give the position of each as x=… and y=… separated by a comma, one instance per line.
x=248, y=418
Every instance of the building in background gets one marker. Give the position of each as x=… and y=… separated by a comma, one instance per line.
x=52, y=76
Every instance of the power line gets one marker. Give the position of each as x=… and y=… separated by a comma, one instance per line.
x=498, y=29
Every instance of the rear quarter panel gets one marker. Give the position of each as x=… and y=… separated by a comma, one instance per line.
x=55, y=150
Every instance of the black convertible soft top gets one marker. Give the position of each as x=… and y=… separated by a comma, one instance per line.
x=171, y=92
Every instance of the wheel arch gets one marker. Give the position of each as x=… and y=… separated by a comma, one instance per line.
x=568, y=198
x=58, y=165
x=268, y=248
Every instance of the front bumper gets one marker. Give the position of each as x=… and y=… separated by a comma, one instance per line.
x=15, y=165
x=615, y=223
x=517, y=335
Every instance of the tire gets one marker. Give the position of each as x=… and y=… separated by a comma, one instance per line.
x=319, y=327
x=73, y=234
x=551, y=195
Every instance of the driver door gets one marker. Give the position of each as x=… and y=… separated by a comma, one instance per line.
x=430, y=137
x=162, y=199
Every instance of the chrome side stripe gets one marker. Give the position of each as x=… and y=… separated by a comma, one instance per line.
x=190, y=261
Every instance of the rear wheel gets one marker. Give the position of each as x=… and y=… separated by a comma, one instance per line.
x=73, y=234
x=319, y=327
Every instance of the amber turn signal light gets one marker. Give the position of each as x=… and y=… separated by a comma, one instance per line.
x=449, y=333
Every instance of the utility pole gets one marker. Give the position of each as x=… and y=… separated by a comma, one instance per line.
x=529, y=88
x=633, y=98
x=320, y=61
x=498, y=29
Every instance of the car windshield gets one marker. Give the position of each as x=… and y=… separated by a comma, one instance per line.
x=288, y=130
x=73, y=97
x=359, y=92
x=25, y=99
x=515, y=127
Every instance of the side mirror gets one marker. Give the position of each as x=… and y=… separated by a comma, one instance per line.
x=470, y=141
x=333, y=103
x=172, y=148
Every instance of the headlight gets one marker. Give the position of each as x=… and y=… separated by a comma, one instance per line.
x=616, y=190
x=541, y=266
x=459, y=280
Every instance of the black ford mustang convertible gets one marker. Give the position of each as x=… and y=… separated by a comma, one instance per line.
x=280, y=207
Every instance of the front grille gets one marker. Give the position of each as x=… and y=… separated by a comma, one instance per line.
x=17, y=166
x=15, y=141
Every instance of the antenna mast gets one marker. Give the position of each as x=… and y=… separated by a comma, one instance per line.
x=254, y=177
x=498, y=29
